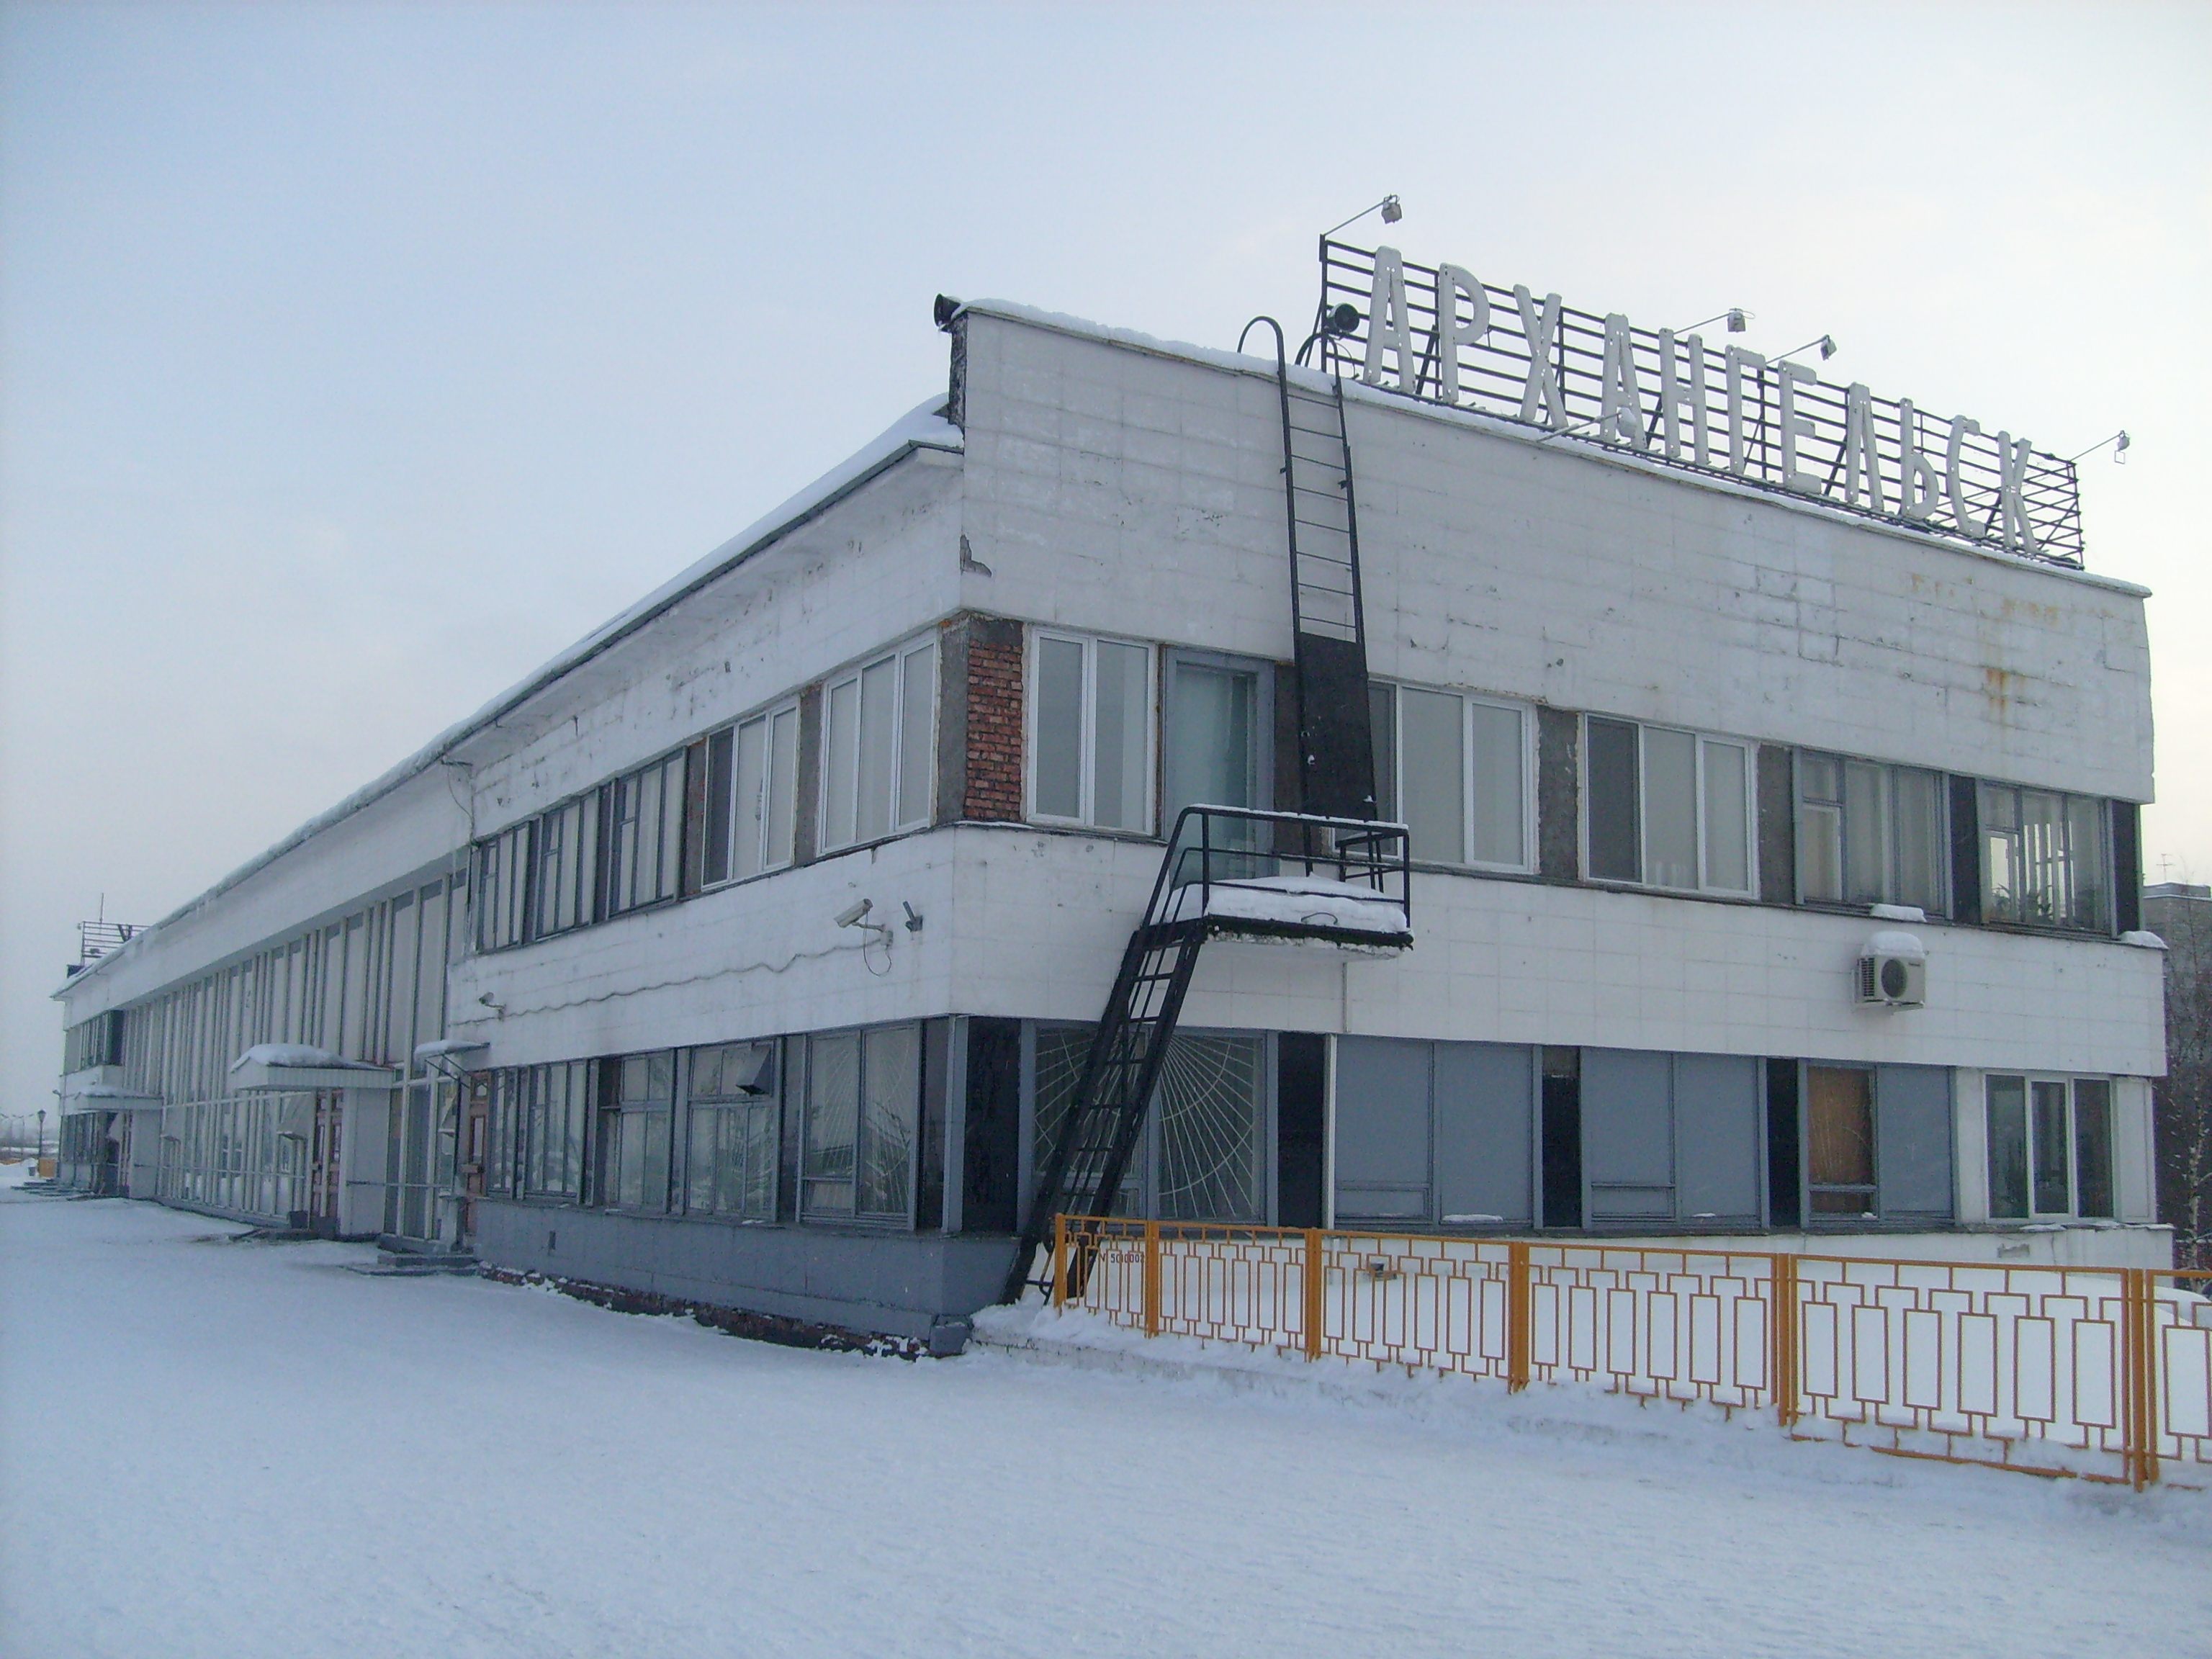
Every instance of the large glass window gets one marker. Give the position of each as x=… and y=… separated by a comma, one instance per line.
x=2045, y=862
x=863, y=1106
x=503, y=889
x=568, y=866
x=2049, y=1148
x=1090, y=727
x=632, y=1159
x=556, y=1102
x=878, y=747
x=1668, y=808
x=644, y=835
x=1869, y=834
x=733, y=1118
x=1454, y=770
x=751, y=789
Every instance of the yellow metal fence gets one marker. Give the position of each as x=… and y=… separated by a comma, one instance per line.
x=2103, y=1373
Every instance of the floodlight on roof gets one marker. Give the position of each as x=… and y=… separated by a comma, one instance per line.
x=2119, y=441
x=1735, y=317
x=1388, y=207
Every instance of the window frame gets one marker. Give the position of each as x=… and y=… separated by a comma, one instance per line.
x=901, y=656
x=808, y=1213
x=2071, y=1083
x=1469, y=701
x=2099, y=813
x=767, y=720
x=1701, y=739
x=1086, y=817
x=1892, y=805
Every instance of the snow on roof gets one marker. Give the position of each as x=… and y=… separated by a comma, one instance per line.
x=923, y=426
x=300, y=1055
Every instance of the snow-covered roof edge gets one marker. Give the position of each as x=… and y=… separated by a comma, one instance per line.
x=1582, y=446
x=924, y=427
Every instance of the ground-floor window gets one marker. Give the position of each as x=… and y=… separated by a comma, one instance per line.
x=1204, y=1155
x=1840, y=1167
x=2049, y=1148
x=863, y=1109
x=640, y=1106
x=240, y=1154
x=734, y=1121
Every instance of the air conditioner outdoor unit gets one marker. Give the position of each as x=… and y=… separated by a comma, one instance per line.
x=1893, y=972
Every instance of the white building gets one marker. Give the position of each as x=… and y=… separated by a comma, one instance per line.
x=1681, y=750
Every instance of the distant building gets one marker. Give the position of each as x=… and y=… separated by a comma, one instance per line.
x=1773, y=848
x=2181, y=914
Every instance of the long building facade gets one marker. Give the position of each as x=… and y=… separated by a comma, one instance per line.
x=1774, y=869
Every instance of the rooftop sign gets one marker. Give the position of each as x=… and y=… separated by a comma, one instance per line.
x=1440, y=335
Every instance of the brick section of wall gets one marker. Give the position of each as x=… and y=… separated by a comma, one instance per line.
x=994, y=720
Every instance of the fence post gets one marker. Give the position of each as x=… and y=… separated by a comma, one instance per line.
x=1059, y=1260
x=1316, y=1265
x=1782, y=1326
x=1151, y=1279
x=1520, y=1318
x=2139, y=1372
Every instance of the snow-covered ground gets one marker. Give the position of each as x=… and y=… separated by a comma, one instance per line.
x=241, y=1450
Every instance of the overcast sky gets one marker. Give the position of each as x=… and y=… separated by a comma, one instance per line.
x=355, y=358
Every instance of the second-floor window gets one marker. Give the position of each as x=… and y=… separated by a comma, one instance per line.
x=503, y=888
x=2045, y=861
x=568, y=866
x=1454, y=769
x=752, y=784
x=1869, y=834
x=1091, y=730
x=644, y=835
x=879, y=747
x=1668, y=808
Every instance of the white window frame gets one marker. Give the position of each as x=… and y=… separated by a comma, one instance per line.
x=1892, y=886
x=786, y=707
x=901, y=655
x=1469, y=701
x=2070, y=1082
x=1705, y=888
x=1087, y=783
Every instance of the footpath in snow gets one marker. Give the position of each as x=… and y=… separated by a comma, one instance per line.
x=245, y=1450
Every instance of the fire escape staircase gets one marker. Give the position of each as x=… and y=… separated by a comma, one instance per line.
x=1247, y=873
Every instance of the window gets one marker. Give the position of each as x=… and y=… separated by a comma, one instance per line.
x=2049, y=1148
x=879, y=748
x=1091, y=728
x=503, y=883
x=554, y=1101
x=2043, y=858
x=567, y=868
x=733, y=1118
x=644, y=835
x=633, y=1149
x=1667, y=808
x=863, y=1099
x=1839, y=1150
x=1869, y=834
x=1454, y=771
x=752, y=779
x=1217, y=748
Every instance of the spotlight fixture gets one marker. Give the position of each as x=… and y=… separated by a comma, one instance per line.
x=2119, y=441
x=1736, y=317
x=1388, y=207
x=1826, y=342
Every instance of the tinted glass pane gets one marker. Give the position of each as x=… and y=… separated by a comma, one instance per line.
x=2093, y=1148
x=1433, y=791
x=2086, y=862
x=2008, y=1131
x=833, y=1111
x=1728, y=845
x=1121, y=758
x=891, y=1081
x=1498, y=827
x=917, y=761
x=1382, y=716
x=714, y=855
x=1919, y=839
x=1670, y=808
x=1058, y=776
x=1614, y=841
x=1211, y=740
x=2049, y=1151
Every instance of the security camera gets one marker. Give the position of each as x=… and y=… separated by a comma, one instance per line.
x=851, y=916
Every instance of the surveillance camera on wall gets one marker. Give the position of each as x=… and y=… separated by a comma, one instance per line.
x=851, y=916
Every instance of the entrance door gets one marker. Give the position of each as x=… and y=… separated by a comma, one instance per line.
x=325, y=1183
x=475, y=1151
